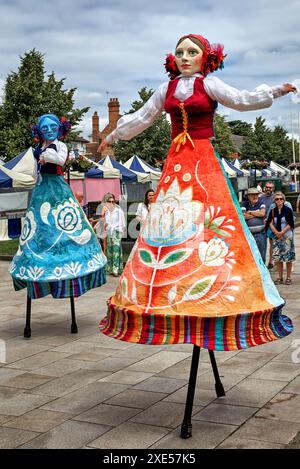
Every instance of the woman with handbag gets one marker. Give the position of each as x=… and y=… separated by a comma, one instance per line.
x=281, y=223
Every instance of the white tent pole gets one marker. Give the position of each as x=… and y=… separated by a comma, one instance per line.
x=299, y=131
x=293, y=142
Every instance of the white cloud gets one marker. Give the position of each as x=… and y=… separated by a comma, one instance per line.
x=119, y=46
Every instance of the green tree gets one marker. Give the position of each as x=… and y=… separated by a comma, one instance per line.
x=153, y=143
x=282, y=150
x=258, y=143
x=27, y=95
x=239, y=127
x=222, y=141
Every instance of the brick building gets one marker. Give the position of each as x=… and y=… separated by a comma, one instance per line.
x=97, y=135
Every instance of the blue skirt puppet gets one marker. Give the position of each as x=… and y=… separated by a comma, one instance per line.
x=58, y=252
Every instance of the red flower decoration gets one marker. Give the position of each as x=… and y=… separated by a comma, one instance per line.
x=171, y=67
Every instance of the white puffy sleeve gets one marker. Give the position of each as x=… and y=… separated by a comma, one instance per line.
x=133, y=124
x=241, y=100
x=58, y=156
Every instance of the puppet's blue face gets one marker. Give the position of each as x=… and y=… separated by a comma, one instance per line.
x=49, y=129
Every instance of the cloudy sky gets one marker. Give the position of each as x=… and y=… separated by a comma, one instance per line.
x=111, y=48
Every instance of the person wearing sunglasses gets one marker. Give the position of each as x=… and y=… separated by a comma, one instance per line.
x=254, y=212
x=113, y=229
x=281, y=223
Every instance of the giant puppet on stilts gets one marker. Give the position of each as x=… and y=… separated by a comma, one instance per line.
x=58, y=252
x=195, y=274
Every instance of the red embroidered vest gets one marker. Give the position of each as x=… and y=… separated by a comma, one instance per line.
x=199, y=107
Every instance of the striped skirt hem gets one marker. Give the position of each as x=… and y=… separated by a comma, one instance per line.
x=217, y=333
x=62, y=288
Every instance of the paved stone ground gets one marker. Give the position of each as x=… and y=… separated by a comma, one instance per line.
x=85, y=390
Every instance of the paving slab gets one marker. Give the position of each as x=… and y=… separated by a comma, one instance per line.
x=228, y=414
x=158, y=362
x=65, y=385
x=106, y=414
x=21, y=403
x=27, y=380
x=136, y=398
x=69, y=435
x=284, y=407
x=36, y=361
x=272, y=431
x=252, y=392
x=276, y=370
x=163, y=414
x=38, y=420
x=85, y=398
x=12, y=438
x=138, y=436
x=206, y=435
x=235, y=442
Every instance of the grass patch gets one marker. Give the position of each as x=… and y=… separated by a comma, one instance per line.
x=9, y=248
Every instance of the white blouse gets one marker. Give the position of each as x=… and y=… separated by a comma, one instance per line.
x=115, y=221
x=142, y=212
x=133, y=124
x=57, y=157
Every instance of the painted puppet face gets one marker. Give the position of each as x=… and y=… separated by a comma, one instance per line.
x=188, y=57
x=49, y=129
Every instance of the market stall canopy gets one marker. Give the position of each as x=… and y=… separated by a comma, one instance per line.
x=238, y=171
x=231, y=170
x=279, y=169
x=126, y=174
x=237, y=165
x=137, y=164
x=103, y=172
x=20, y=171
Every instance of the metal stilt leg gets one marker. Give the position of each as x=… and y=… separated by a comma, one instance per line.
x=74, y=328
x=186, y=427
x=218, y=384
x=27, y=329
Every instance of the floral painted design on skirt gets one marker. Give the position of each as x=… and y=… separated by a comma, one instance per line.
x=58, y=252
x=195, y=274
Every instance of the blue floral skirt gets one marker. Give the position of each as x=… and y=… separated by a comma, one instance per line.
x=58, y=252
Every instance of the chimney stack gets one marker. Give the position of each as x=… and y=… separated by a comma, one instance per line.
x=113, y=112
x=95, y=127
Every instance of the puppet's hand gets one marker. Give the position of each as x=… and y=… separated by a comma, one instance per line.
x=288, y=88
x=41, y=161
x=103, y=145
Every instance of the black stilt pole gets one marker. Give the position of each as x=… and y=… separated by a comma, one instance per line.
x=218, y=384
x=27, y=330
x=74, y=328
x=186, y=427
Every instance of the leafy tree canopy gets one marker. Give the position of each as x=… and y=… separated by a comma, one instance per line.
x=222, y=141
x=27, y=95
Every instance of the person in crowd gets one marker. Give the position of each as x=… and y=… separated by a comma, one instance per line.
x=260, y=190
x=298, y=204
x=269, y=203
x=143, y=207
x=281, y=223
x=113, y=228
x=79, y=197
x=254, y=211
x=267, y=200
